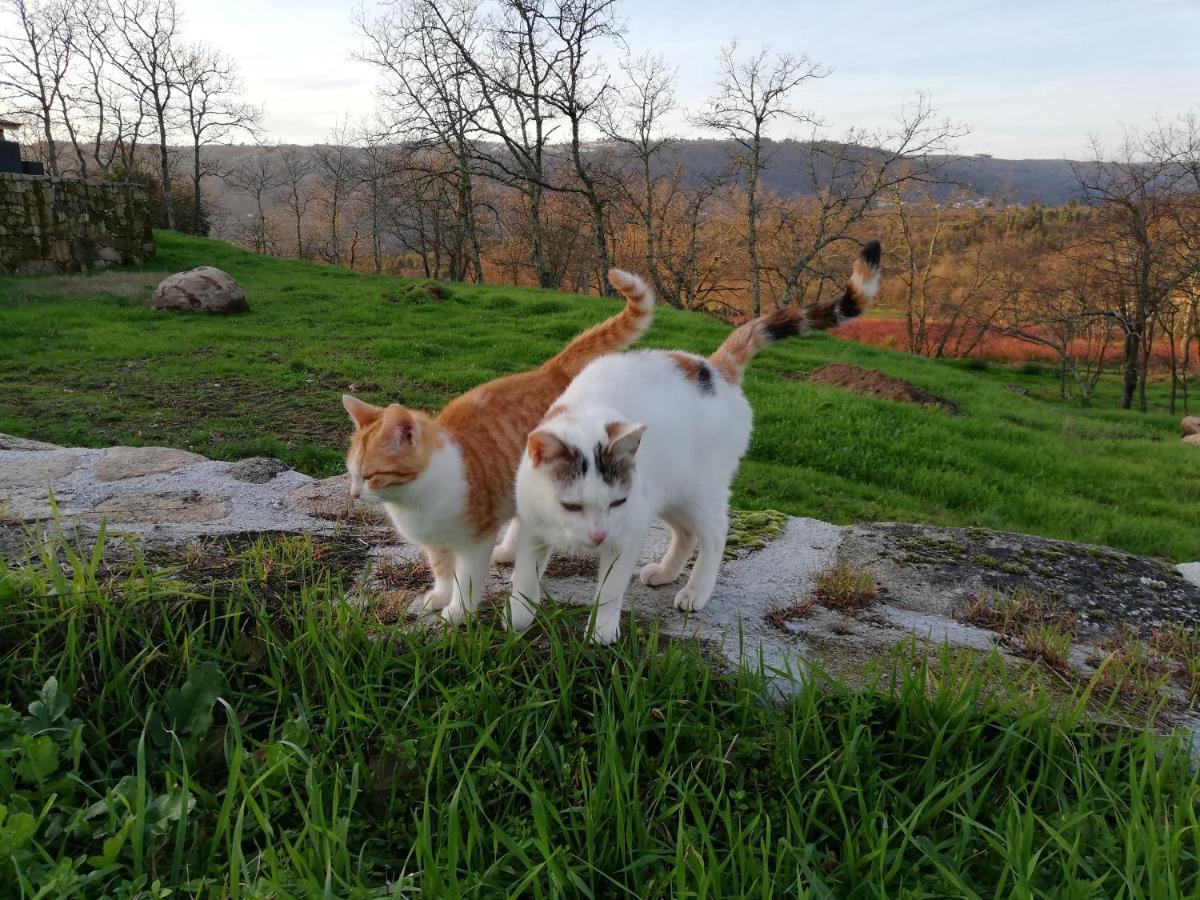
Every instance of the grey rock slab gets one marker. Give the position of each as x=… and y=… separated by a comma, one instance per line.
x=734, y=622
x=119, y=463
x=256, y=469
x=330, y=499
x=10, y=442
x=84, y=499
x=174, y=507
x=938, y=570
x=938, y=629
x=35, y=468
x=1190, y=571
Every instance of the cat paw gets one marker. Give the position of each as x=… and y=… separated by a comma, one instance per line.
x=689, y=601
x=655, y=574
x=504, y=556
x=517, y=617
x=603, y=635
x=454, y=613
x=435, y=600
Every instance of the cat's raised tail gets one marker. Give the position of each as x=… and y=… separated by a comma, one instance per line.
x=739, y=348
x=613, y=334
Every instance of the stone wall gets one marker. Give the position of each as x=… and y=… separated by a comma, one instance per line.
x=69, y=225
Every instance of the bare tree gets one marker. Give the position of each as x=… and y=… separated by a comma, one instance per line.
x=296, y=173
x=647, y=96
x=259, y=177
x=114, y=117
x=750, y=95
x=1146, y=243
x=212, y=111
x=429, y=97
x=581, y=93
x=508, y=60
x=34, y=64
x=142, y=46
x=1056, y=310
x=334, y=165
x=848, y=180
x=375, y=172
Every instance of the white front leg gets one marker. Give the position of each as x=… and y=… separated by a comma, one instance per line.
x=506, y=551
x=470, y=579
x=526, y=595
x=616, y=568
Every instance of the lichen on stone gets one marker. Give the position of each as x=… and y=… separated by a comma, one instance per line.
x=751, y=530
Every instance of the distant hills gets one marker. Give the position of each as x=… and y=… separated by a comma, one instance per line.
x=788, y=174
x=1046, y=181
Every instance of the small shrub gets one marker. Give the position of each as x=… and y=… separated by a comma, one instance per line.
x=1015, y=613
x=1179, y=646
x=975, y=364
x=802, y=609
x=844, y=589
x=418, y=294
x=1032, y=367
x=1132, y=671
x=1051, y=643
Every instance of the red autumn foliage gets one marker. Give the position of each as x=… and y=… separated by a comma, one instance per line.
x=890, y=333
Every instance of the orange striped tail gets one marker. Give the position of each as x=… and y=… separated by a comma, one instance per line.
x=616, y=333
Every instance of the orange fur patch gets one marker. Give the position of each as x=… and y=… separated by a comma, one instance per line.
x=491, y=441
x=382, y=460
x=441, y=562
x=739, y=348
x=689, y=365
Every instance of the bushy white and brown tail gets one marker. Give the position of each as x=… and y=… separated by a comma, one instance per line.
x=613, y=334
x=739, y=348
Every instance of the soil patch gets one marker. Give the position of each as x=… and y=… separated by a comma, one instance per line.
x=875, y=384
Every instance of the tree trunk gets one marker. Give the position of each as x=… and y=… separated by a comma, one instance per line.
x=752, y=231
x=1129, y=378
x=466, y=217
x=196, y=201
x=51, y=152
x=601, y=237
x=537, y=251
x=299, y=238
x=1174, y=371
x=164, y=165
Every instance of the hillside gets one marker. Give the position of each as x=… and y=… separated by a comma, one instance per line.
x=1045, y=181
x=86, y=363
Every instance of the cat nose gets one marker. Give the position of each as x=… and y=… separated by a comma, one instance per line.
x=597, y=536
x=355, y=492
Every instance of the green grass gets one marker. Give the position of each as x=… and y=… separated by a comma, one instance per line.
x=230, y=726
x=92, y=366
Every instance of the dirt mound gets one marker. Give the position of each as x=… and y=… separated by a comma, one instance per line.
x=876, y=384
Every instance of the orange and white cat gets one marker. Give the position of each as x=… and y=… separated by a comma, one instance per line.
x=447, y=483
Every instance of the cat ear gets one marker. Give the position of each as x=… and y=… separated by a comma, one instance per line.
x=362, y=414
x=542, y=447
x=400, y=428
x=624, y=438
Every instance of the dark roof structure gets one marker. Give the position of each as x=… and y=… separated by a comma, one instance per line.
x=10, y=153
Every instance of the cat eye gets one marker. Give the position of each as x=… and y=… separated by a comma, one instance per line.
x=617, y=503
x=573, y=507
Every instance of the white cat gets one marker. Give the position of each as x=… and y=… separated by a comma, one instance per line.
x=644, y=436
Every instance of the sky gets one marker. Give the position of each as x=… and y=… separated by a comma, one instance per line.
x=1029, y=79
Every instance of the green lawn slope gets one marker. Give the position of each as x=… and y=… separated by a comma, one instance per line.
x=84, y=362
